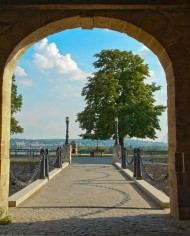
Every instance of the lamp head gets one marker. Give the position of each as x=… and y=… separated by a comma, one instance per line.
x=116, y=119
x=67, y=119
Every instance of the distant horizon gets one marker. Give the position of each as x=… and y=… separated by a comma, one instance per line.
x=144, y=140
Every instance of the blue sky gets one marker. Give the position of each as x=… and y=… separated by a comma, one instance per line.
x=51, y=74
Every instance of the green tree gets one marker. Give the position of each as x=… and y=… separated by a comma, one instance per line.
x=119, y=88
x=16, y=105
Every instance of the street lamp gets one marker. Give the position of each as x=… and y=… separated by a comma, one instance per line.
x=67, y=130
x=116, y=131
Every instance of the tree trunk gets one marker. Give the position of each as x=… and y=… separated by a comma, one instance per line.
x=121, y=142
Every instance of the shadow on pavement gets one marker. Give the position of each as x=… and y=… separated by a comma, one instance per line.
x=129, y=224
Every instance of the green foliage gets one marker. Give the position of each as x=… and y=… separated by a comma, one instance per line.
x=118, y=89
x=87, y=150
x=1, y=213
x=16, y=105
x=6, y=220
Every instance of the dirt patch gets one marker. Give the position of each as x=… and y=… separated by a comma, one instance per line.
x=23, y=171
x=157, y=171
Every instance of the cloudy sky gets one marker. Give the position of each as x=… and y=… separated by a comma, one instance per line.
x=51, y=74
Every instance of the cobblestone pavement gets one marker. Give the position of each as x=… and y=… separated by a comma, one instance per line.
x=91, y=200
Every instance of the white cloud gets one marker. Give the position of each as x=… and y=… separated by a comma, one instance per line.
x=144, y=49
x=25, y=82
x=152, y=74
x=59, y=67
x=19, y=71
x=42, y=61
x=152, y=78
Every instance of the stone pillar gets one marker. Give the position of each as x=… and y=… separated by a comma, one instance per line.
x=116, y=153
x=179, y=138
x=67, y=153
x=5, y=102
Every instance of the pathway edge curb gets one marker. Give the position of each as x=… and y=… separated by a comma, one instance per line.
x=161, y=198
x=17, y=198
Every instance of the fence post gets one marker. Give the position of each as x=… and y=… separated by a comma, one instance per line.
x=58, y=162
x=138, y=165
x=134, y=166
x=42, y=169
x=123, y=158
x=47, y=163
x=57, y=158
x=61, y=157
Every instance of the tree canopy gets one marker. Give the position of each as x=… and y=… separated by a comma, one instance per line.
x=118, y=88
x=16, y=105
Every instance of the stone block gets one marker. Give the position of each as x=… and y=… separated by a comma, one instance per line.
x=117, y=154
x=71, y=22
x=184, y=196
x=102, y=22
x=169, y=73
x=184, y=213
x=117, y=25
x=144, y=37
x=171, y=88
x=183, y=181
x=187, y=161
x=49, y=29
x=164, y=59
x=131, y=30
x=87, y=22
x=156, y=47
x=5, y=44
x=179, y=162
x=67, y=153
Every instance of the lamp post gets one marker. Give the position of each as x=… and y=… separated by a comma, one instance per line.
x=116, y=131
x=67, y=130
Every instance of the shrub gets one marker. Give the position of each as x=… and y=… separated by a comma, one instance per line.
x=4, y=220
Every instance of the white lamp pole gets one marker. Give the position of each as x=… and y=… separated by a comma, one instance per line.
x=116, y=131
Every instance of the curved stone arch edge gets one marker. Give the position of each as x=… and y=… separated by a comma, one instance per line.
x=85, y=23
x=57, y=26
x=90, y=23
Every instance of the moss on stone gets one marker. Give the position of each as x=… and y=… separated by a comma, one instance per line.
x=6, y=220
x=1, y=213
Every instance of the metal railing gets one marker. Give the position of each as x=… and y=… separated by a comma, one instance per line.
x=139, y=165
x=42, y=168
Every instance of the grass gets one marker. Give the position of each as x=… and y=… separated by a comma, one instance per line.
x=4, y=220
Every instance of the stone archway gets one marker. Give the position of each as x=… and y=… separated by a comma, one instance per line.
x=147, y=23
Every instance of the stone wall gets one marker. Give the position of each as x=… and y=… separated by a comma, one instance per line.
x=163, y=26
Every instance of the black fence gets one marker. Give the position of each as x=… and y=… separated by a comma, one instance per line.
x=28, y=165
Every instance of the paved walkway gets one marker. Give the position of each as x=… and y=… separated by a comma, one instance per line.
x=91, y=200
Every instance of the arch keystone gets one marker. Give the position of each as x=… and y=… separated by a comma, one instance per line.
x=101, y=22
x=87, y=22
x=70, y=22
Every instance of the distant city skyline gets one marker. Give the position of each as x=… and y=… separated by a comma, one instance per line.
x=41, y=143
x=51, y=74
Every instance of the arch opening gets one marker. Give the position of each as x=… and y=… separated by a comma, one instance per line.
x=85, y=23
